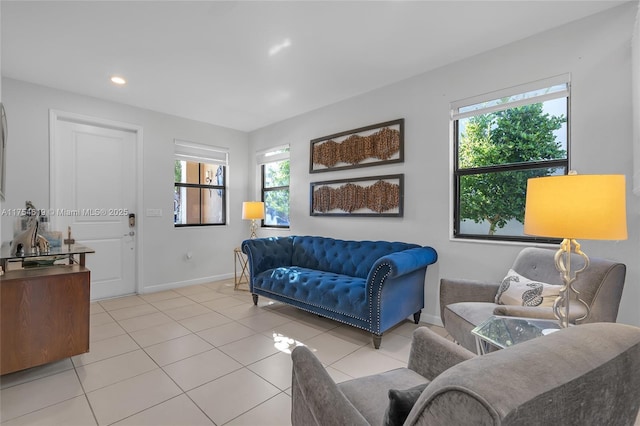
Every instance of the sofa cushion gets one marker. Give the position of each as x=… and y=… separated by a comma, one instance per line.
x=370, y=394
x=338, y=293
x=516, y=289
x=353, y=258
x=400, y=404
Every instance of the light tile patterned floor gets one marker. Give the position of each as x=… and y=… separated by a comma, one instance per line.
x=199, y=355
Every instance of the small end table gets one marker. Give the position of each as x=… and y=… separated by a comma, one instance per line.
x=239, y=258
x=502, y=332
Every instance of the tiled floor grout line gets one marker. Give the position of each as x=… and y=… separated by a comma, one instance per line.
x=185, y=392
x=244, y=366
x=263, y=402
x=140, y=347
x=86, y=397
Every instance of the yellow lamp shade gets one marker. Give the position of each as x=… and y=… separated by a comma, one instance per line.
x=253, y=210
x=591, y=207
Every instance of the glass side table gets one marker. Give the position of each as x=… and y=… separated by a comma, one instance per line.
x=502, y=332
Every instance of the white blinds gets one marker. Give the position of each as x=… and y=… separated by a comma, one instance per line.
x=272, y=154
x=191, y=151
x=538, y=91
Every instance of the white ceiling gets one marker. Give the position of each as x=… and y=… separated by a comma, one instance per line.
x=210, y=61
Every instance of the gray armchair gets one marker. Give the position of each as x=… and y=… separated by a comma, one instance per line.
x=586, y=375
x=465, y=304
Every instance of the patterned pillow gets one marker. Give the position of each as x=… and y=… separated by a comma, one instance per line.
x=518, y=290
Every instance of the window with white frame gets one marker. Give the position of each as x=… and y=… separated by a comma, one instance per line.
x=501, y=140
x=274, y=186
x=200, y=188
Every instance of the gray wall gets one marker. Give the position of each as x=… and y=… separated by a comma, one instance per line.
x=596, y=51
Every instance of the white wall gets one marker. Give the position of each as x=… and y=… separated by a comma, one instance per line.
x=596, y=51
x=164, y=248
x=1, y=201
x=635, y=87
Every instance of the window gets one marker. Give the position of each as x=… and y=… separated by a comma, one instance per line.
x=274, y=171
x=200, y=194
x=501, y=140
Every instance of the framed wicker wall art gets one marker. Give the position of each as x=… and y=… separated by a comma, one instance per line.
x=380, y=196
x=373, y=145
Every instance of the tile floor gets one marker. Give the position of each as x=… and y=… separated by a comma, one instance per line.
x=199, y=355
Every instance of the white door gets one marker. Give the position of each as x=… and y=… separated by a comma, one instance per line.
x=93, y=191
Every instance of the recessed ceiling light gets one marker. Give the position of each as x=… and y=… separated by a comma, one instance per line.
x=118, y=80
x=278, y=47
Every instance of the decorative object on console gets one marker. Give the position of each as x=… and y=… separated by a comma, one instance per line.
x=381, y=143
x=253, y=210
x=575, y=206
x=373, y=196
x=69, y=240
x=29, y=241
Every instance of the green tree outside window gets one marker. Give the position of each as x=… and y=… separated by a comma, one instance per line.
x=497, y=152
x=275, y=193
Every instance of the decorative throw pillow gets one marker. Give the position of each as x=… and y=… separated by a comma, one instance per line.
x=518, y=290
x=400, y=404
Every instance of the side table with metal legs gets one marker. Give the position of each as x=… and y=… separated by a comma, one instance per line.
x=240, y=259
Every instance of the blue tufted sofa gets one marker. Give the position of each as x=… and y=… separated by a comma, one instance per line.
x=372, y=285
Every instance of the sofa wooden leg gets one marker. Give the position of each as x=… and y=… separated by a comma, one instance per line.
x=416, y=317
x=255, y=299
x=377, y=339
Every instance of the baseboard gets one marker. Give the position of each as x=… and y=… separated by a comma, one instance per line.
x=431, y=319
x=178, y=284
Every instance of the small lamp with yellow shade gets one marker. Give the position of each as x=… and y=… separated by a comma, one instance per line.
x=253, y=210
x=572, y=207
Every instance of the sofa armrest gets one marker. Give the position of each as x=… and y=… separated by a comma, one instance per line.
x=462, y=290
x=576, y=310
x=406, y=261
x=267, y=253
x=523, y=311
x=431, y=354
x=315, y=398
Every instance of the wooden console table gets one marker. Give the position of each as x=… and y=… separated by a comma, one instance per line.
x=44, y=311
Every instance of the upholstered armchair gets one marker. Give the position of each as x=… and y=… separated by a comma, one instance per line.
x=465, y=304
x=587, y=375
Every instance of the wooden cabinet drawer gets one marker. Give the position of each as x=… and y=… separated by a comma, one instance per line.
x=44, y=316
